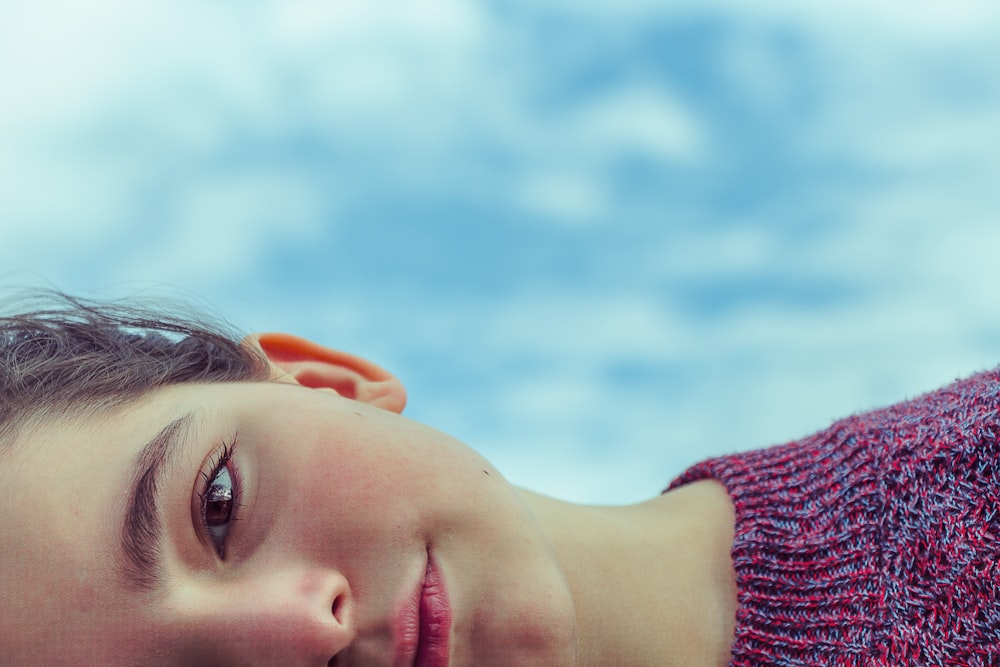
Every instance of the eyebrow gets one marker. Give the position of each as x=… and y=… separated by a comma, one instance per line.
x=141, y=529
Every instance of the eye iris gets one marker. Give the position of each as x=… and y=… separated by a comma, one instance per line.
x=218, y=504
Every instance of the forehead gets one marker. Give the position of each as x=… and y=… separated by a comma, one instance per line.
x=52, y=475
x=61, y=486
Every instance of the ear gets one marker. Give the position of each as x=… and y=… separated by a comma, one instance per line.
x=294, y=359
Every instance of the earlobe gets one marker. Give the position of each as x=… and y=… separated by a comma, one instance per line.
x=298, y=360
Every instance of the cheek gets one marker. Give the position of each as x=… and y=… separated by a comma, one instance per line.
x=384, y=462
x=352, y=492
x=361, y=485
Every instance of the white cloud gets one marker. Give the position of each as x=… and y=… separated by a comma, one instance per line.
x=567, y=196
x=642, y=119
x=569, y=161
x=224, y=227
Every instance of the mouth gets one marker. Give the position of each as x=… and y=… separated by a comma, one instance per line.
x=424, y=624
x=435, y=619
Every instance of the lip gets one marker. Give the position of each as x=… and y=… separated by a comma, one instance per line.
x=435, y=619
x=423, y=626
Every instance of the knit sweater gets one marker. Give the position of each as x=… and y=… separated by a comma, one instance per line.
x=874, y=542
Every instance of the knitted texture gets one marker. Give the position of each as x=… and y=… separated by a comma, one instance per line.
x=874, y=542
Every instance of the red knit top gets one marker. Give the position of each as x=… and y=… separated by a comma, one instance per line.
x=874, y=542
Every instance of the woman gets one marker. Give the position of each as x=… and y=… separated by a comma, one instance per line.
x=173, y=497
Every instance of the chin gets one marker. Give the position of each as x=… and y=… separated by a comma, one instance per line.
x=541, y=634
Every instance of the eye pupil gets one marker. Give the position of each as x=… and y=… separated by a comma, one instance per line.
x=218, y=512
x=217, y=506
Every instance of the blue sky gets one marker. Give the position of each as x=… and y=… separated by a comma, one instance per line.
x=598, y=241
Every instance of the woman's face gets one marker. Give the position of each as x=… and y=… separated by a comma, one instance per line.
x=353, y=537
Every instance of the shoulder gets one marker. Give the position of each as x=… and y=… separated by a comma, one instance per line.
x=941, y=533
x=885, y=521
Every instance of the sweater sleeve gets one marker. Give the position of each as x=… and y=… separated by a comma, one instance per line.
x=874, y=542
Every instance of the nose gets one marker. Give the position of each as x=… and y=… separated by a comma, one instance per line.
x=293, y=617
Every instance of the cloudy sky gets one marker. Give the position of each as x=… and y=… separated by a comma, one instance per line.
x=599, y=241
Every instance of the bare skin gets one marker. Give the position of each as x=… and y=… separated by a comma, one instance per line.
x=343, y=504
x=660, y=568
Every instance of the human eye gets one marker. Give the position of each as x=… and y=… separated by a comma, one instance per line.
x=220, y=495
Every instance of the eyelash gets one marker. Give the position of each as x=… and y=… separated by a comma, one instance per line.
x=221, y=461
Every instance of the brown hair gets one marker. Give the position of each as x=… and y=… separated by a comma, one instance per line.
x=62, y=354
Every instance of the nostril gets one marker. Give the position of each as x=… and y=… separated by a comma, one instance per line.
x=337, y=608
x=337, y=627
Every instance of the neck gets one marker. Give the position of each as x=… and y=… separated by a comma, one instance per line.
x=652, y=583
